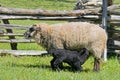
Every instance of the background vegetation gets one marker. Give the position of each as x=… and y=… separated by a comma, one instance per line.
x=38, y=67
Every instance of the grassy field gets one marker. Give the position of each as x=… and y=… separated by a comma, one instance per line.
x=38, y=67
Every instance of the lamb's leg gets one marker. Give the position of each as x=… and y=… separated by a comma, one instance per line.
x=57, y=63
x=77, y=66
x=96, y=64
x=60, y=66
x=52, y=63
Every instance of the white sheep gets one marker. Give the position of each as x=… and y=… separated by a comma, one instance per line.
x=71, y=36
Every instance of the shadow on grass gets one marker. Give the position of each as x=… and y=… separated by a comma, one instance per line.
x=44, y=66
x=30, y=66
x=70, y=69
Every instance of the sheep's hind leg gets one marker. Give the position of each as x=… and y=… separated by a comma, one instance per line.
x=96, y=64
x=97, y=53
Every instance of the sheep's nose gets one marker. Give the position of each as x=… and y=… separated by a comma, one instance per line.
x=27, y=34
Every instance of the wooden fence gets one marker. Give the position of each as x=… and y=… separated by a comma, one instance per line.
x=93, y=15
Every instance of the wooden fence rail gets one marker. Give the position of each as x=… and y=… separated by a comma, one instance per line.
x=9, y=26
x=17, y=41
x=92, y=17
x=11, y=34
x=41, y=12
x=22, y=52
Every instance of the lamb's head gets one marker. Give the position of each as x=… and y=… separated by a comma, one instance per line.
x=84, y=51
x=84, y=55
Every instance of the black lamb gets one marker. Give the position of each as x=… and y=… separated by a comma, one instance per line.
x=73, y=58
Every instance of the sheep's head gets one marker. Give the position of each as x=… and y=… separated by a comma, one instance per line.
x=31, y=31
x=38, y=29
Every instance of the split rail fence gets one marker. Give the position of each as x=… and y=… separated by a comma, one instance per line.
x=94, y=15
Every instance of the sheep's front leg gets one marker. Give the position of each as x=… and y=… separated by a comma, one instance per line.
x=96, y=64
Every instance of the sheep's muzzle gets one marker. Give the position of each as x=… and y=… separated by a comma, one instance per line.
x=27, y=34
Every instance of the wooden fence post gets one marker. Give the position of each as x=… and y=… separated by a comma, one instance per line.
x=104, y=23
x=13, y=45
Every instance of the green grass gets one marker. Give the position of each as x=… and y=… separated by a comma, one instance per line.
x=116, y=2
x=38, y=67
x=43, y=4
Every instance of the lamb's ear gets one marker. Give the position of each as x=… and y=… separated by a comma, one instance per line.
x=82, y=51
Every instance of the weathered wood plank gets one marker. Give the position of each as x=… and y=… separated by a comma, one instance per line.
x=114, y=47
x=1, y=32
x=22, y=52
x=54, y=12
x=10, y=26
x=114, y=18
x=47, y=12
x=16, y=17
x=17, y=41
x=116, y=42
x=114, y=52
x=11, y=34
x=115, y=12
x=114, y=31
x=115, y=24
x=113, y=7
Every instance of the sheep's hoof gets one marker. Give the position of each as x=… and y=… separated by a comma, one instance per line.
x=96, y=70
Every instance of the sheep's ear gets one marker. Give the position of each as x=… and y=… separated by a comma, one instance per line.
x=34, y=25
x=36, y=28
